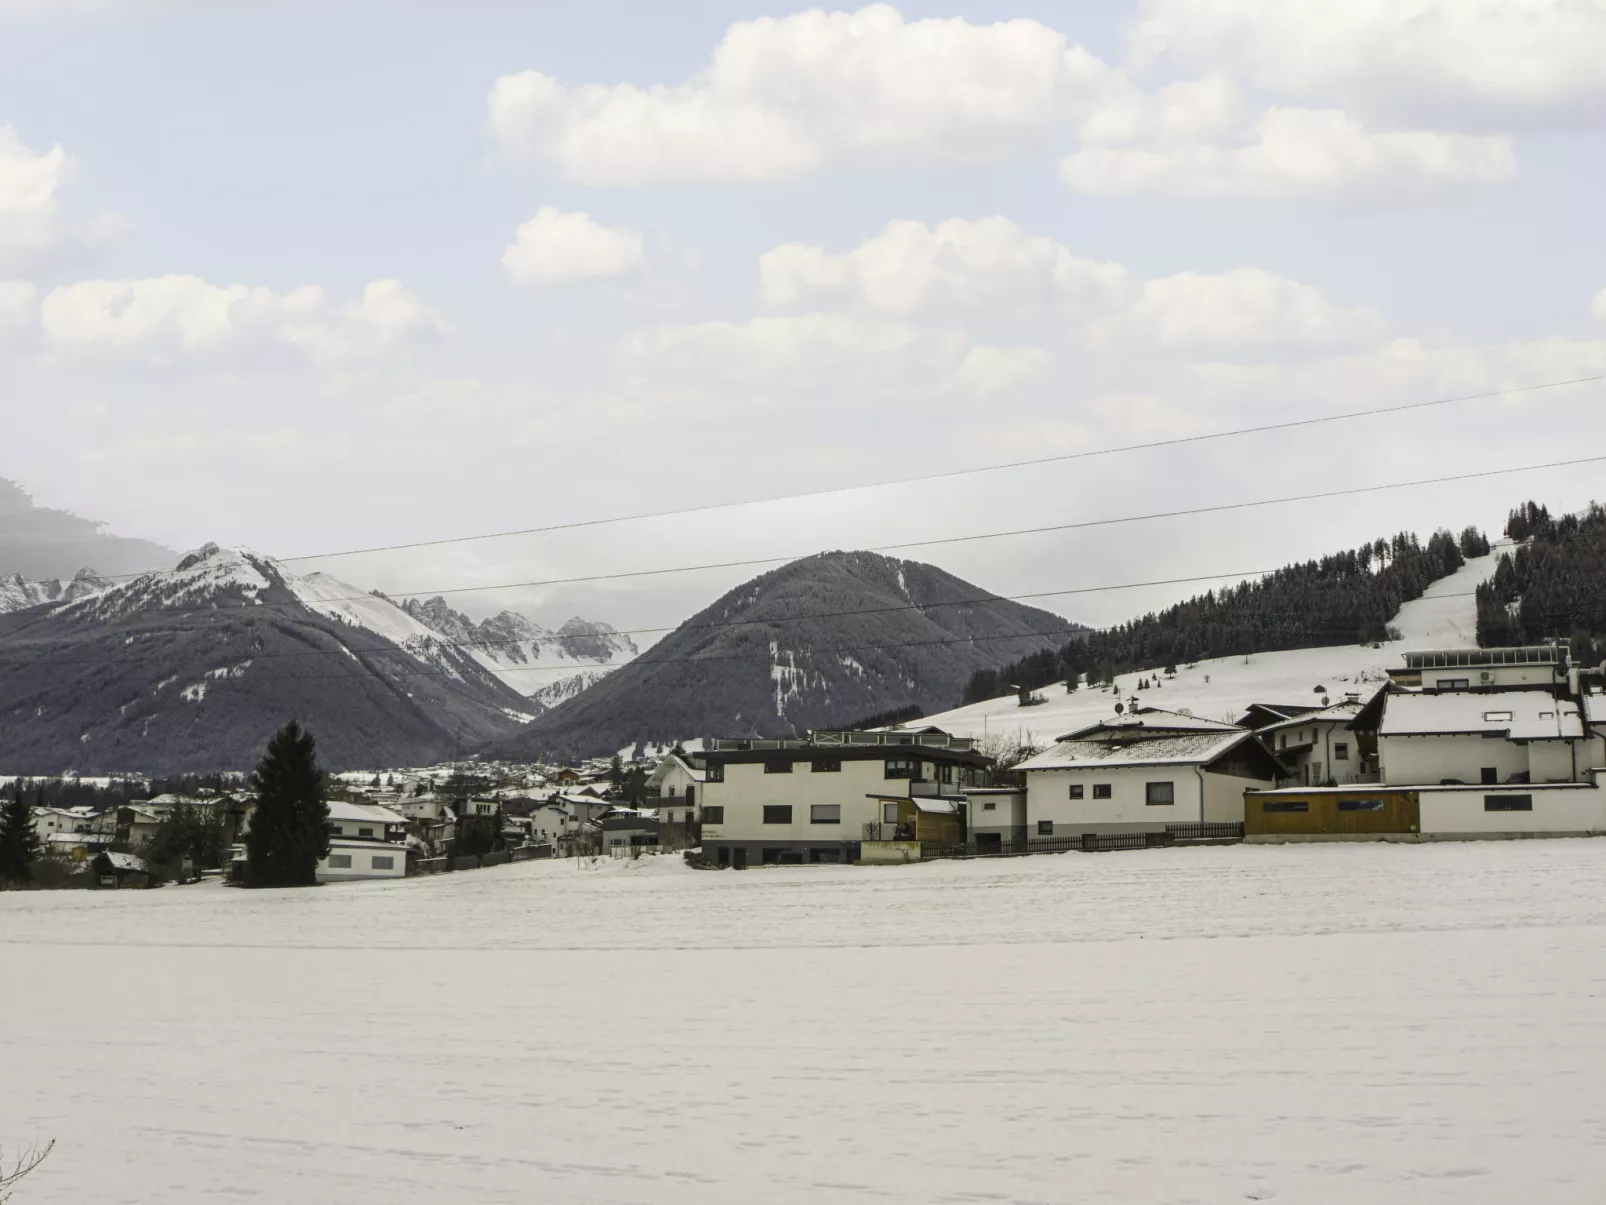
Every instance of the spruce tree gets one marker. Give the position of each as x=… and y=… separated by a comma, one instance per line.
x=289, y=832
x=19, y=843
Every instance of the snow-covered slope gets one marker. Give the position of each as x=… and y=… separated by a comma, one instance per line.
x=1445, y=617
x=18, y=593
x=549, y=667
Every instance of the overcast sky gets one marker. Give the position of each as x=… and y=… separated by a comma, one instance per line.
x=315, y=277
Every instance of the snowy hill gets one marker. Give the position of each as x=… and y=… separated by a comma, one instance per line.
x=1444, y=617
x=17, y=593
x=192, y=668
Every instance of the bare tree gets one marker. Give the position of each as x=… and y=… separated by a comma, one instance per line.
x=20, y=1164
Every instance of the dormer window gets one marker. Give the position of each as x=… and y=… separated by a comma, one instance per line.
x=1498, y=717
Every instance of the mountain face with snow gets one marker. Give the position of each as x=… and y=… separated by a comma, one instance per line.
x=819, y=642
x=545, y=666
x=193, y=668
x=18, y=593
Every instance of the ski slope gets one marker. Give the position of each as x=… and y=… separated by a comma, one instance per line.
x=1444, y=617
x=1388, y=1024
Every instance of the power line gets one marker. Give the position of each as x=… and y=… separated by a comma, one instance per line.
x=1080, y=525
x=944, y=475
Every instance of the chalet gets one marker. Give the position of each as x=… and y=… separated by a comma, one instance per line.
x=675, y=783
x=816, y=798
x=1147, y=771
x=122, y=871
x=1322, y=747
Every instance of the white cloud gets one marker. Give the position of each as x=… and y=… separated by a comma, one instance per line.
x=387, y=318
x=554, y=247
x=911, y=268
x=1294, y=152
x=19, y=305
x=783, y=96
x=1244, y=308
x=853, y=358
x=166, y=316
x=29, y=220
x=1517, y=52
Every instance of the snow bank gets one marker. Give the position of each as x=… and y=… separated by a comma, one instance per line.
x=1392, y=1024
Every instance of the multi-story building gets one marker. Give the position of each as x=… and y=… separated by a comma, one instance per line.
x=816, y=798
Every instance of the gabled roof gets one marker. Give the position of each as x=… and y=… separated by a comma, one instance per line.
x=1271, y=713
x=1177, y=749
x=1338, y=713
x=1151, y=719
x=124, y=861
x=668, y=762
x=340, y=809
x=1519, y=715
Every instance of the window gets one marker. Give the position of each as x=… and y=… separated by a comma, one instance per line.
x=889, y=813
x=1455, y=683
x=1101, y=790
x=1508, y=803
x=900, y=767
x=1360, y=805
x=826, y=765
x=825, y=813
x=382, y=863
x=778, y=765
x=989, y=806
x=715, y=772
x=339, y=861
x=365, y=832
x=945, y=773
x=1286, y=805
x=777, y=813
x=1490, y=775
x=1045, y=828
x=1077, y=790
x=713, y=815
x=1340, y=752
x=1498, y=717
x=1159, y=794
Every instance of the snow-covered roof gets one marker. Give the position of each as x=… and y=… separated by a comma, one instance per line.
x=1520, y=715
x=1340, y=713
x=1180, y=749
x=672, y=761
x=340, y=809
x=1595, y=708
x=1153, y=719
x=935, y=806
x=126, y=862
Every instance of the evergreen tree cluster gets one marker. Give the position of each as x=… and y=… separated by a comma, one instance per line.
x=19, y=843
x=880, y=719
x=1345, y=598
x=1552, y=587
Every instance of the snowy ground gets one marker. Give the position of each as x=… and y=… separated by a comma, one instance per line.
x=1444, y=617
x=1377, y=1023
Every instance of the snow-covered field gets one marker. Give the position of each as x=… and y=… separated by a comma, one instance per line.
x=1368, y=1023
x=1444, y=617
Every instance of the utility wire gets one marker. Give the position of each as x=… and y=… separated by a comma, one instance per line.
x=1080, y=525
x=945, y=475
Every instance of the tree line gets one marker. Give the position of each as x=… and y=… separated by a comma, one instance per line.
x=1552, y=587
x=1348, y=597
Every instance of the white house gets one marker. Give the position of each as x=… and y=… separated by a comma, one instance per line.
x=817, y=798
x=1144, y=773
x=675, y=783
x=1320, y=746
x=1484, y=737
x=366, y=841
x=995, y=819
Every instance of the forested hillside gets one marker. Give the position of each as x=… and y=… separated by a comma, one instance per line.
x=1341, y=599
x=1554, y=585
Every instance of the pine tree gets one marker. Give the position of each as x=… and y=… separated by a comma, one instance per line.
x=19, y=843
x=289, y=833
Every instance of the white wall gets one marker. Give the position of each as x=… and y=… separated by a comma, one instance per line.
x=1429, y=760
x=747, y=789
x=1499, y=675
x=1008, y=811
x=1224, y=796
x=1552, y=761
x=1048, y=798
x=1557, y=809
x=362, y=855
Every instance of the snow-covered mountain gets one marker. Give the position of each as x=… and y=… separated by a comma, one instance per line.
x=192, y=668
x=17, y=593
x=546, y=666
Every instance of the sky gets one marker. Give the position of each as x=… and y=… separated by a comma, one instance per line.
x=314, y=278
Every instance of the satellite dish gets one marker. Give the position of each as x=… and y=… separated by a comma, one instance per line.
x=1119, y=709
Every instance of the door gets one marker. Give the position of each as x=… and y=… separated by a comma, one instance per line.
x=739, y=857
x=989, y=843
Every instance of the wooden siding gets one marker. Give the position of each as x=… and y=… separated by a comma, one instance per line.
x=1388, y=811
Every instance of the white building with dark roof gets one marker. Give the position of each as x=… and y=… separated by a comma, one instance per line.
x=1144, y=772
